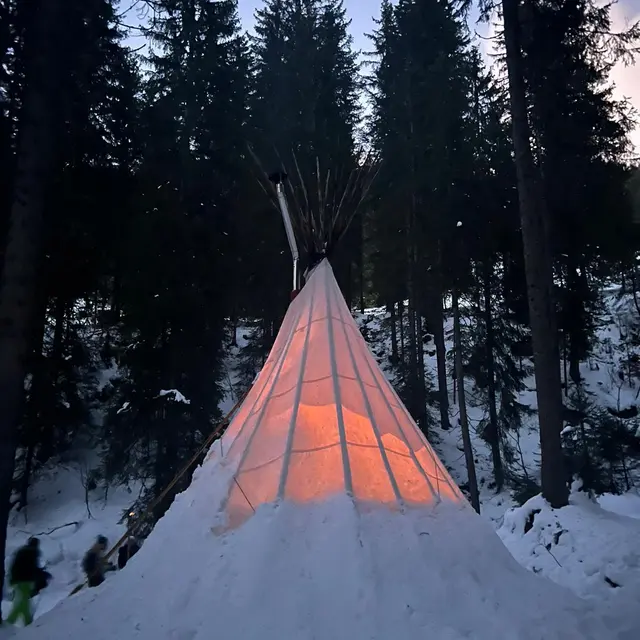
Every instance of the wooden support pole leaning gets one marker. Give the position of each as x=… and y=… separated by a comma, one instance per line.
x=207, y=443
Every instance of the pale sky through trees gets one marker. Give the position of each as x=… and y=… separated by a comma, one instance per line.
x=626, y=79
x=362, y=14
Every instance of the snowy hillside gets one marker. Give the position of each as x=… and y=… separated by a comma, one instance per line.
x=590, y=547
x=67, y=526
x=325, y=571
x=602, y=383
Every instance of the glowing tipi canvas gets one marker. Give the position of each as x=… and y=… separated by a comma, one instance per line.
x=322, y=419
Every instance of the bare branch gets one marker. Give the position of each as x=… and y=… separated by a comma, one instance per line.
x=50, y=531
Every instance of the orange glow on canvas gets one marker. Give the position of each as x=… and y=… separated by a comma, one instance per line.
x=322, y=420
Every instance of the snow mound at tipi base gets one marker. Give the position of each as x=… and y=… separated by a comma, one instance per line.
x=326, y=571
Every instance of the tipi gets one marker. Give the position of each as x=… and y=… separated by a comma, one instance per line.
x=322, y=420
x=322, y=514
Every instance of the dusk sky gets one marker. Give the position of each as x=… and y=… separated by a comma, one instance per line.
x=363, y=12
x=360, y=12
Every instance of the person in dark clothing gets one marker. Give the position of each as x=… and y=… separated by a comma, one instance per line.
x=94, y=563
x=27, y=579
x=127, y=551
x=42, y=582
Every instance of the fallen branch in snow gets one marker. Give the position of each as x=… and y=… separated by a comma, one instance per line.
x=551, y=554
x=48, y=533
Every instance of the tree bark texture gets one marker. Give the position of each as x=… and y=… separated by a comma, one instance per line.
x=494, y=427
x=462, y=403
x=539, y=272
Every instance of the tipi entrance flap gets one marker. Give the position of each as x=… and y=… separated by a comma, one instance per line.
x=323, y=420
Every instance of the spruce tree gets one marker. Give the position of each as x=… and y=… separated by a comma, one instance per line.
x=177, y=293
x=22, y=256
x=420, y=130
x=582, y=133
x=303, y=115
x=91, y=165
x=539, y=268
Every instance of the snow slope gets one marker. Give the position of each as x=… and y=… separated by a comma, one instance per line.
x=325, y=571
x=58, y=515
x=597, y=542
x=602, y=384
x=584, y=547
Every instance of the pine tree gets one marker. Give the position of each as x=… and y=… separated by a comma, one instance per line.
x=582, y=134
x=175, y=298
x=601, y=447
x=89, y=174
x=420, y=131
x=303, y=114
x=462, y=403
x=539, y=269
x=485, y=243
x=20, y=276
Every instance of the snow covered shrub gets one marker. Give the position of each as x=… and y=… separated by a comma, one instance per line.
x=601, y=448
x=524, y=488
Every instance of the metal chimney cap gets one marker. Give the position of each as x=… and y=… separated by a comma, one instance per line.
x=278, y=177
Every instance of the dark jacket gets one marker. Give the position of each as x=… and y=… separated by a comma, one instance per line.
x=127, y=551
x=42, y=581
x=25, y=566
x=93, y=562
x=95, y=565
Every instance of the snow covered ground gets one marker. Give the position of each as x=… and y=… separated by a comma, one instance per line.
x=325, y=570
x=585, y=547
x=57, y=514
x=578, y=547
x=445, y=574
x=590, y=547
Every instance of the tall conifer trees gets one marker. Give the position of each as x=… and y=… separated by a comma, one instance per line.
x=159, y=239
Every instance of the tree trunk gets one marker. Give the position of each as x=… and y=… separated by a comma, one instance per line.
x=539, y=272
x=565, y=379
x=347, y=282
x=494, y=427
x=462, y=402
x=25, y=481
x=45, y=431
x=412, y=310
x=361, y=262
x=421, y=390
x=413, y=354
x=37, y=392
x=579, y=293
x=635, y=289
x=574, y=368
x=18, y=288
x=116, y=297
x=401, y=321
x=234, y=325
x=394, y=333
x=436, y=326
